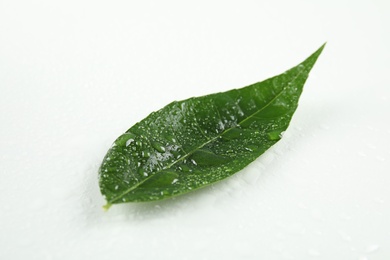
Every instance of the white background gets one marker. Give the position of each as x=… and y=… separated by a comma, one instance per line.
x=74, y=75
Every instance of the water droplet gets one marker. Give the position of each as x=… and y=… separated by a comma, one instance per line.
x=116, y=187
x=184, y=168
x=124, y=139
x=275, y=135
x=206, y=157
x=158, y=146
x=142, y=172
x=372, y=248
x=128, y=142
x=145, y=154
x=379, y=200
x=169, y=138
x=362, y=154
x=380, y=158
x=344, y=235
x=251, y=147
x=174, y=181
x=301, y=67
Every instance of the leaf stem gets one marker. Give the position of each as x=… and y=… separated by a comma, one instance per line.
x=107, y=206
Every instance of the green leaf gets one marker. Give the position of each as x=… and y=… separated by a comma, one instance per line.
x=192, y=143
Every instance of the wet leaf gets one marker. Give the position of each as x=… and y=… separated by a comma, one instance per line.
x=198, y=141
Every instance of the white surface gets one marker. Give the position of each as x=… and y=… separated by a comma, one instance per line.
x=74, y=75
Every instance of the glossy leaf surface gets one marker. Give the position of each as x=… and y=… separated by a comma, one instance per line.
x=195, y=142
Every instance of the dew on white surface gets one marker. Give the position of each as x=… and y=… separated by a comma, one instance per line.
x=380, y=158
x=344, y=235
x=372, y=248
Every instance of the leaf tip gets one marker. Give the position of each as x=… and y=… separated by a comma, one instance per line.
x=107, y=207
x=322, y=46
x=318, y=52
x=311, y=60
